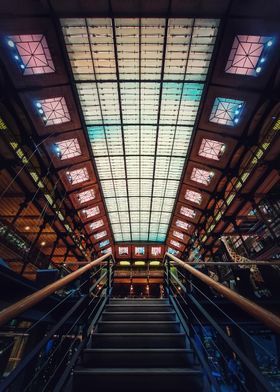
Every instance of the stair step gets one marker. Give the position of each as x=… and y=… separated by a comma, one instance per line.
x=148, y=379
x=152, y=301
x=138, y=340
x=138, y=307
x=139, y=316
x=138, y=326
x=133, y=358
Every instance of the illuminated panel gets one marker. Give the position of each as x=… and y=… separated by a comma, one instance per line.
x=178, y=234
x=156, y=251
x=139, y=251
x=123, y=250
x=211, y=149
x=187, y=212
x=90, y=212
x=76, y=176
x=67, y=149
x=248, y=54
x=53, y=111
x=175, y=243
x=226, y=111
x=140, y=83
x=104, y=243
x=172, y=251
x=86, y=196
x=202, y=176
x=182, y=224
x=32, y=53
x=96, y=224
x=100, y=235
x=105, y=251
x=193, y=196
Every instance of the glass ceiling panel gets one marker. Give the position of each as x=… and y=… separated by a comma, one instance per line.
x=140, y=83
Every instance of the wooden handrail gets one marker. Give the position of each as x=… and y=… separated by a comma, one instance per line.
x=26, y=303
x=268, y=318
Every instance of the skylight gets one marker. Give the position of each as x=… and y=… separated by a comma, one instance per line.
x=53, y=111
x=190, y=213
x=67, y=149
x=248, y=54
x=156, y=250
x=226, y=111
x=139, y=250
x=182, y=224
x=104, y=243
x=123, y=250
x=77, y=176
x=175, y=243
x=202, y=176
x=86, y=196
x=105, y=251
x=96, y=224
x=211, y=149
x=100, y=235
x=193, y=196
x=32, y=54
x=140, y=83
x=90, y=212
x=172, y=251
x=178, y=234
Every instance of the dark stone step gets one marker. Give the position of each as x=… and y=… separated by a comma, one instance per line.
x=138, y=340
x=139, y=301
x=138, y=308
x=133, y=358
x=138, y=326
x=141, y=379
x=139, y=316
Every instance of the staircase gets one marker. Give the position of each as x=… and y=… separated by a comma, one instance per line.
x=138, y=346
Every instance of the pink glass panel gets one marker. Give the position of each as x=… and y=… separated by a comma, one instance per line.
x=55, y=111
x=34, y=53
x=211, y=149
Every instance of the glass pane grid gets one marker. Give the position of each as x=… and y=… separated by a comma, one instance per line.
x=139, y=125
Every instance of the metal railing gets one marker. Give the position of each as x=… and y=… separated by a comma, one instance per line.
x=62, y=331
x=204, y=307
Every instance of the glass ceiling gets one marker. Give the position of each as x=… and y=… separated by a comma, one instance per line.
x=140, y=83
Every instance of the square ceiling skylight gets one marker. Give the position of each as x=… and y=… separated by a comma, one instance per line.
x=211, y=149
x=156, y=250
x=105, y=251
x=96, y=224
x=226, y=111
x=67, y=149
x=104, y=243
x=100, y=235
x=202, y=176
x=172, y=251
x=189, y=212
x=91, y=212
x=193, y=196
x=86, y=196
x=32, y=54
x=182, y=224
x=175, y=243
x=53, y=111
x=178, y=234
x=248, y=54
x=140, y=83
x=77, y=176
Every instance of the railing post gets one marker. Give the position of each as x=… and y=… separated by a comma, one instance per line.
x=109, y=283
x=168, y=276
